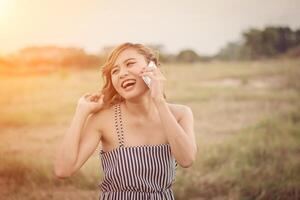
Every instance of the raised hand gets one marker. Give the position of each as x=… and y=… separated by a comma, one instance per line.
x=90, y=102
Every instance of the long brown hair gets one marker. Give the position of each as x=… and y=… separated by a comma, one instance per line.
x=111, y=96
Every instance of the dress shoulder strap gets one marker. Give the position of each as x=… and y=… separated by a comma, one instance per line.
x=119, y=124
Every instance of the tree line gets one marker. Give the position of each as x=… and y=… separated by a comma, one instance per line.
x=269, y=42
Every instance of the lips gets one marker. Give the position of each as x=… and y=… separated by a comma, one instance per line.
x=128, y=82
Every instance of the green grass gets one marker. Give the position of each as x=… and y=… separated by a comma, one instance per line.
x=261, y=162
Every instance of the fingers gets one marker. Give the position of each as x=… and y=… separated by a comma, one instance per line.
x=155, y=71
x=153, y=76
x=100, y=100
x=98, y=97
x=147, y=70
x=93, y=96
x=150, y=74
x=87, y=94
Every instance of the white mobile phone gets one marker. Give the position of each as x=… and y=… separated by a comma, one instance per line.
x=147, y=79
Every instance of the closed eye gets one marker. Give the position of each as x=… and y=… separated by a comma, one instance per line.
x=114, y=71
x=130, y=63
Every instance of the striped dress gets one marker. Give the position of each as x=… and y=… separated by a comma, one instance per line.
x=136, y=172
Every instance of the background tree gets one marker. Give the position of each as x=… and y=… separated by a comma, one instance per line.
x=188, y=55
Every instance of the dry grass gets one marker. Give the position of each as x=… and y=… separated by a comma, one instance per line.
x=246, y=123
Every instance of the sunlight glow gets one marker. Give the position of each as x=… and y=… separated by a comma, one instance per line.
x=4, y=8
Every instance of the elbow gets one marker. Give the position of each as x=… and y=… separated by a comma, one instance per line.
x=189, y=161
x=62, y=172
x=62, y=169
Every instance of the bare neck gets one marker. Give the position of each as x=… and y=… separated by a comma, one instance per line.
x=143, y=108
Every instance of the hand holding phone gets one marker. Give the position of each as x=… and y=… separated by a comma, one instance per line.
x=147, y=79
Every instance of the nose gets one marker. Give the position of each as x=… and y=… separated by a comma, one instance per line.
x=123, y=72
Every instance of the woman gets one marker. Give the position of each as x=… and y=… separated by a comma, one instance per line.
x=143, y=137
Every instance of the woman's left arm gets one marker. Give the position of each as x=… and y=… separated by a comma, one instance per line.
x=179, y=134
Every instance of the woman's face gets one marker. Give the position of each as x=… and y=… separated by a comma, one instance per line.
x=124, y=74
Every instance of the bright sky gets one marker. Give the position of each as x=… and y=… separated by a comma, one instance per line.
x=203, y=25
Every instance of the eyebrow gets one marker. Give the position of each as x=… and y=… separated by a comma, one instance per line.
x=123, y=62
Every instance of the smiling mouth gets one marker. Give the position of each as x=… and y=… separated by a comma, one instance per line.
x=128, y=84
x=128, y=87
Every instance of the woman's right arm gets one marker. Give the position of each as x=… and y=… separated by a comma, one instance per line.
x=80, y=140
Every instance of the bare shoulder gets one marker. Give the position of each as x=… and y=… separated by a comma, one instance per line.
x=179, y=110
x=102, y=118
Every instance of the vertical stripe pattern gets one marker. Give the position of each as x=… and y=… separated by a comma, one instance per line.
x=137, y=172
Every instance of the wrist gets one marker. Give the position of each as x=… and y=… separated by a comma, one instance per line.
x=82, y=112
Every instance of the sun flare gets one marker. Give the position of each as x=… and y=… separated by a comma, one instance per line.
x=4, y=7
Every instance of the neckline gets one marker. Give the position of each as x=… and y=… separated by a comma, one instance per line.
x=133, y=147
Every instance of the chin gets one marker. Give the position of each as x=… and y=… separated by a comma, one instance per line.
x=134, y=94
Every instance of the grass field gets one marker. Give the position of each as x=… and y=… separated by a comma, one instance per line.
x=247, y=124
